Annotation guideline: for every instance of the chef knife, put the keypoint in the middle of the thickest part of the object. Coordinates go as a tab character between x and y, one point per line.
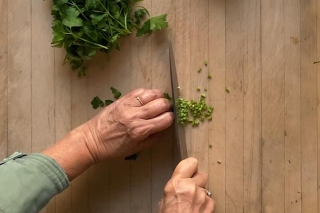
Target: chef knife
179	130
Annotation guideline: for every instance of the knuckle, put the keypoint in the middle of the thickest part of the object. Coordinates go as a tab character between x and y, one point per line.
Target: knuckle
140	91
169	188
135	133
152	94
163	103
192	161
201	197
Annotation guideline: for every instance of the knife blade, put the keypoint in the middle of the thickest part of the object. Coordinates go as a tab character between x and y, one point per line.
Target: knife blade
179	130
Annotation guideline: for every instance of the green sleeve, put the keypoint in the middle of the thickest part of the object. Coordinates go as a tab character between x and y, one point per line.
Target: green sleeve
28	182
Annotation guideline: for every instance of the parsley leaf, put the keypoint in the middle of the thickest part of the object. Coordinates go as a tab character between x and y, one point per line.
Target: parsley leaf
108	102
153	24
115	92
71	19
167	96
96	103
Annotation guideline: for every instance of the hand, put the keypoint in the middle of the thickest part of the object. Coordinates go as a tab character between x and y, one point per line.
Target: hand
126	127
185	190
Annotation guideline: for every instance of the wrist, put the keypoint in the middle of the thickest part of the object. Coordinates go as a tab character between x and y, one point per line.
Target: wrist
72	153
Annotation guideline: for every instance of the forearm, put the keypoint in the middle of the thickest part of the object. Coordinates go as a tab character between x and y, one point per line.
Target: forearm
72	153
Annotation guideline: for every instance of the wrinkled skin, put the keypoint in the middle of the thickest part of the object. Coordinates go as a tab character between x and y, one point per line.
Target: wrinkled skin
185	193
125	127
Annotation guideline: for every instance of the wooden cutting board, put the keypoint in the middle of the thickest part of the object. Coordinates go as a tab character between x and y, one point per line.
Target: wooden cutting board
264	131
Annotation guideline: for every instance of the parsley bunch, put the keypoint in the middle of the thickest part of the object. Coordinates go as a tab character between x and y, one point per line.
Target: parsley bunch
84	27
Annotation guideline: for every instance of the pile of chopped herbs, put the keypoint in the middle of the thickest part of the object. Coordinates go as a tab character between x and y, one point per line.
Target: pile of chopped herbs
192	111
84	27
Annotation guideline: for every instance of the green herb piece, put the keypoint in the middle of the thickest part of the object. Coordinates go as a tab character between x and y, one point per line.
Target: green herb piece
139	15
198	88
108	102
153	24
209	76
132	157
97	102
115	92
203	95
206	63
199	69
167	96
205	89
178	87
227	90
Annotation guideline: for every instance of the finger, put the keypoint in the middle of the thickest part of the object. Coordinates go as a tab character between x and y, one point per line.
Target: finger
186	169
209	205
159	123
145	95
155	108
200	179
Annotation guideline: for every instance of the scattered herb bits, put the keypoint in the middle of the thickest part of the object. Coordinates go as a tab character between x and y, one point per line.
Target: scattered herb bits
198	88
209	76
206	63
199	69
227	90
85	27
210	146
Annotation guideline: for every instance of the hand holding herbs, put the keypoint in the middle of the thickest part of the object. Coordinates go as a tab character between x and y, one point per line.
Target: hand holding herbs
84	27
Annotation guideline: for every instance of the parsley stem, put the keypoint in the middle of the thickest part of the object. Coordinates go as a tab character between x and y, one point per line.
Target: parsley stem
109	14
76	6
82	39
99	45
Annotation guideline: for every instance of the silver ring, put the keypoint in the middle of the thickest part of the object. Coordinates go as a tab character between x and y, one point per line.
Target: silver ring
139	101
208	193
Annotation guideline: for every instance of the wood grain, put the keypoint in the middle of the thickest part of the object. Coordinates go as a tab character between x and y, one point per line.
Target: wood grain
318	94
236	56
252	107
265	131
19	76
309	106
217	99
292	107
272	34
199	39
3	78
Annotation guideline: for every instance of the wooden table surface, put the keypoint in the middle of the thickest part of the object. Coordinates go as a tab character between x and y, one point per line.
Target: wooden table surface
264	132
